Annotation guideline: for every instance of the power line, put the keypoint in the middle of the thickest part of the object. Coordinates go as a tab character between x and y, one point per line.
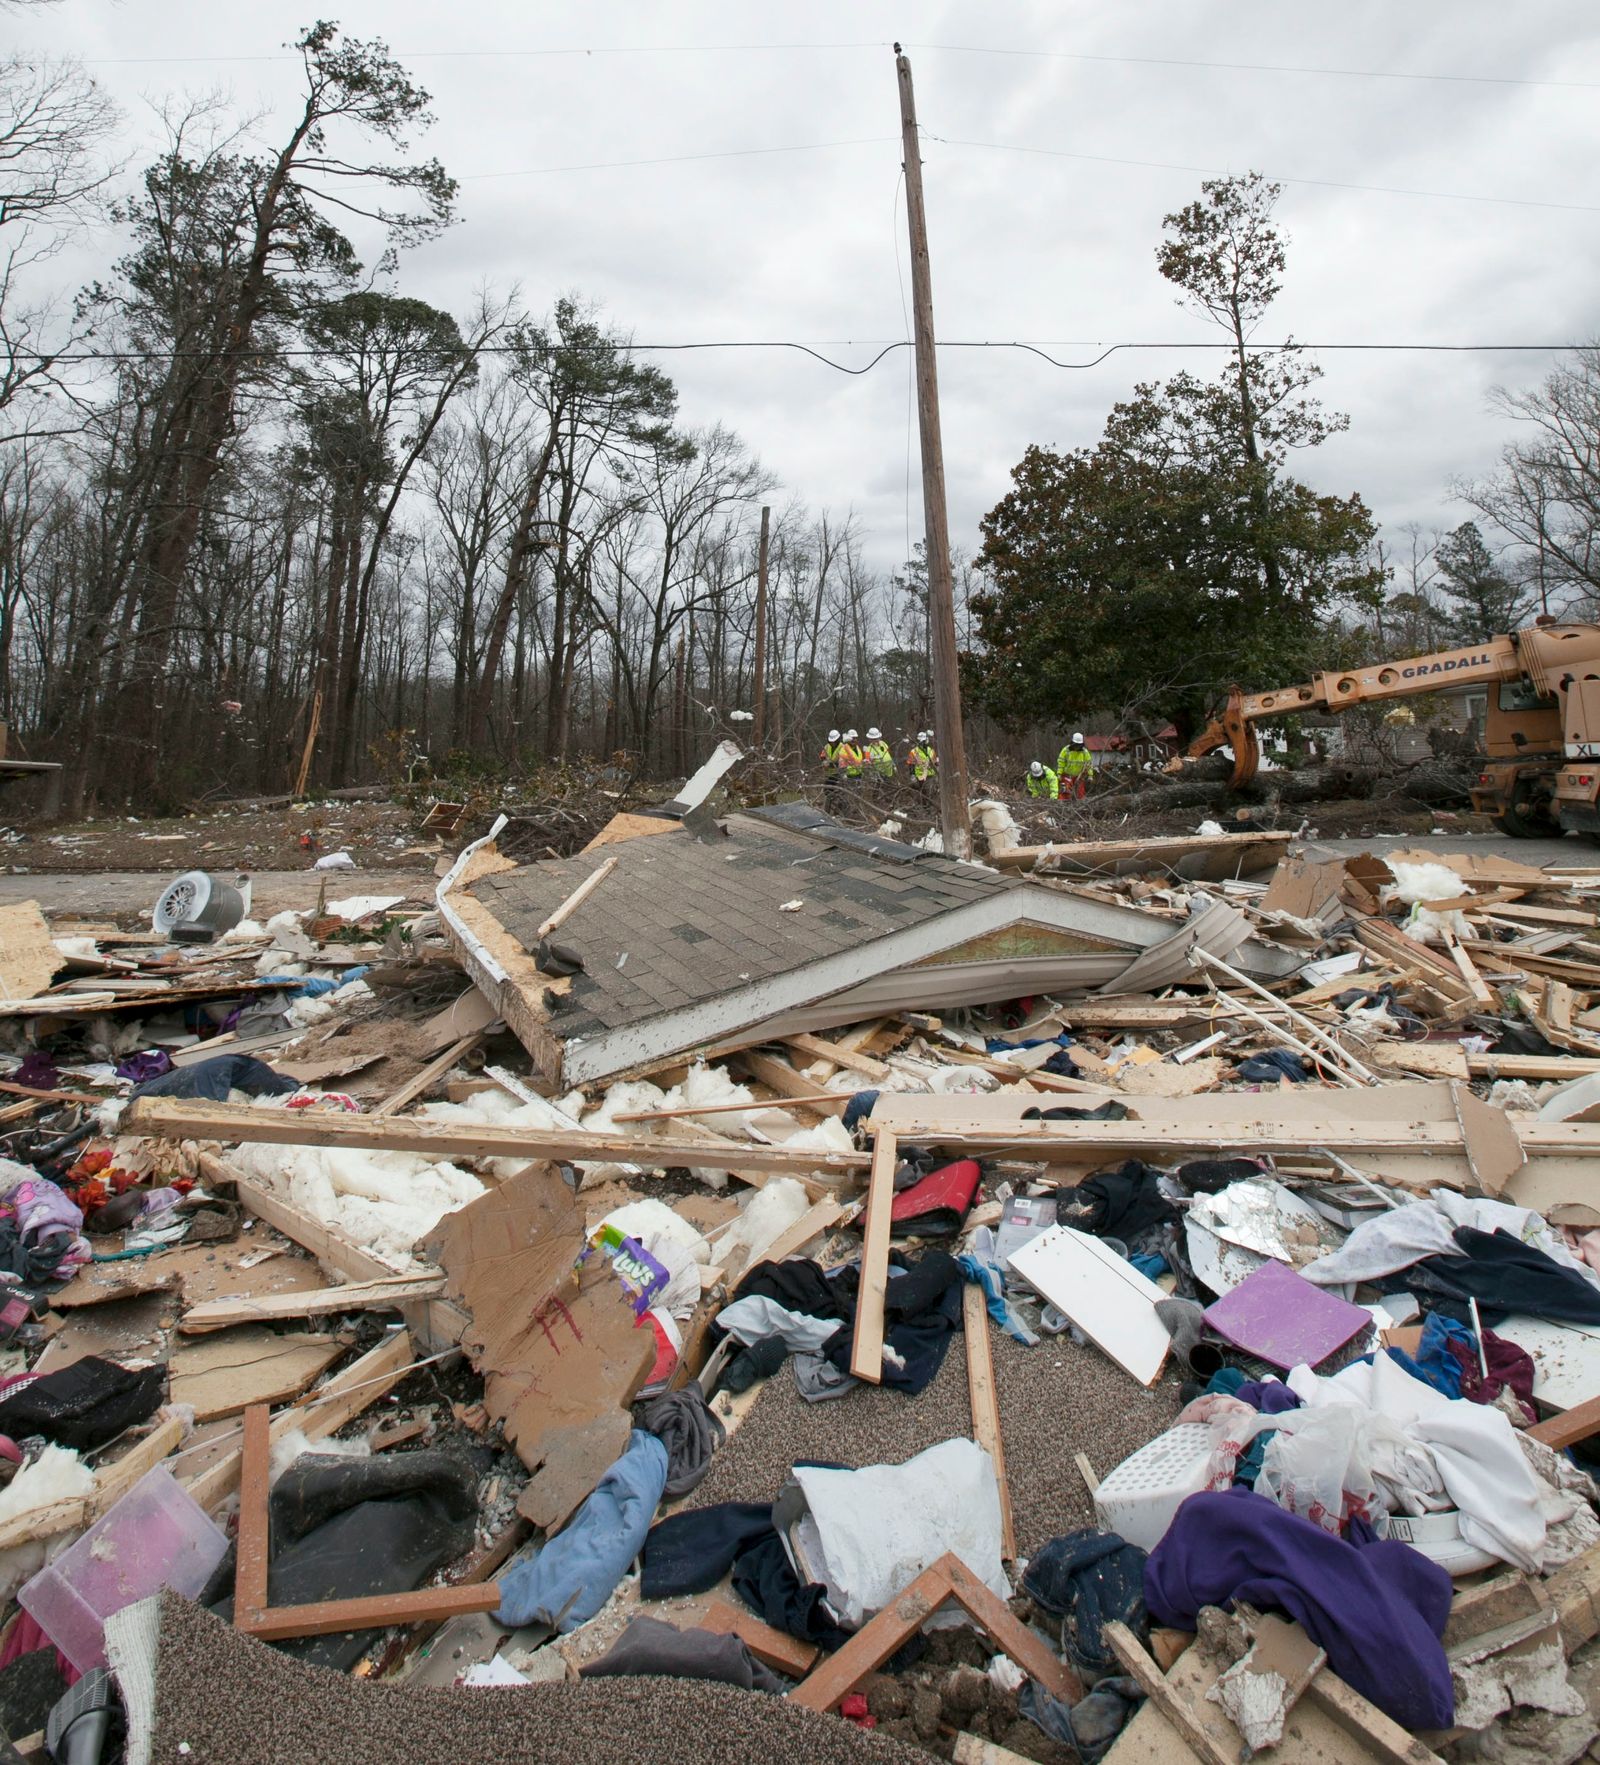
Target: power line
604	165
1261	67
503	54
76	358
1162	165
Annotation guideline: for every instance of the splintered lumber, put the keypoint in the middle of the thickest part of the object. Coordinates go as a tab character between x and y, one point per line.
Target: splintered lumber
904	1616
1211	857
775	1648
169	1118
430	1074
985	1404
319	1413
819	1048
110	1485
218	1314
1168	1699
866	1349
1531	1066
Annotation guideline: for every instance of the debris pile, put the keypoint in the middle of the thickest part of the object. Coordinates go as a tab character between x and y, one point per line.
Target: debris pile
1094	1302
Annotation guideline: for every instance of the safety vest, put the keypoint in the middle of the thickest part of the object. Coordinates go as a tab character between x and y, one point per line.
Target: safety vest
1074	761
882	760
830	753
922	763
1046	785
850	759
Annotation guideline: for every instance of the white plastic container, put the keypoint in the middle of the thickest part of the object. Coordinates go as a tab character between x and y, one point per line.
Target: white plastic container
1140	1497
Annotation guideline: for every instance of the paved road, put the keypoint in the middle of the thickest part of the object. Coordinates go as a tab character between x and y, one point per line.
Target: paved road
275	890
1571	849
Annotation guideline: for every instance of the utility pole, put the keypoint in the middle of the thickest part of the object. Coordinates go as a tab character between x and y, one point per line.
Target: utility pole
759	731
954	823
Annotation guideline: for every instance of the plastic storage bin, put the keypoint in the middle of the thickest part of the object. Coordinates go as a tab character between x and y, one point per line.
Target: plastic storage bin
1140	1497
156	1536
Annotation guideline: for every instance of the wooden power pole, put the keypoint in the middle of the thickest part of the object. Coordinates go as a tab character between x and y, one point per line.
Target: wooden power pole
954	823
759	731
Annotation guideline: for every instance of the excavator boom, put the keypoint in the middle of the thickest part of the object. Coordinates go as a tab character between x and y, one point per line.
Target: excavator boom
1546	655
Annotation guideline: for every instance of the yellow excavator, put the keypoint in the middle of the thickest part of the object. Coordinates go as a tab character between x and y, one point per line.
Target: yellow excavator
1541	768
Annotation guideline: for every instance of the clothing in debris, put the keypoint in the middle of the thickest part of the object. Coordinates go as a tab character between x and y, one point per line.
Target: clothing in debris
817	1379
211	1080
41	1231
1378	1608
1510	1369
1434	1363
82	1405
691	1551
650	1645
1092	1724
937	1205
858	1108
1506	1277
140	1068
1060	1063
1109	1111
1399	1237
1089	1579
1125	1203
1273	1064
1209	1176
755	1319
573	1576
765	1579
759	1361
691	1432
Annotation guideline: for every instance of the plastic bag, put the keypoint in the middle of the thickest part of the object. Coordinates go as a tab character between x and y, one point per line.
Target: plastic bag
1319	1468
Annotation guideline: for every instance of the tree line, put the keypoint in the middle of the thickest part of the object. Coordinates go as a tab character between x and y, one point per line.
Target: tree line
264	512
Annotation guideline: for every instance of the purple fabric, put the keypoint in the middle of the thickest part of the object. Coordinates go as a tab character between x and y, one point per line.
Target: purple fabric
41	1207
148	1063
1378	1608
39	1071
1268	1396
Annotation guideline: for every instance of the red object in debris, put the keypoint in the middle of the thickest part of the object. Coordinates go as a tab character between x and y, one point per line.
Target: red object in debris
946	1193
854	1709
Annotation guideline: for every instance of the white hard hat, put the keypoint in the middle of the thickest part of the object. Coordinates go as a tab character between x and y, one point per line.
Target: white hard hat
849	735
833	735
1037	769
923	736
1077	736
874	735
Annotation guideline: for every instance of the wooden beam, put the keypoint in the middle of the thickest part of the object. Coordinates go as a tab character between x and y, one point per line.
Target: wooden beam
423	1605
254	1541
985	1404
866	1349
430	1074
947	1579
1579	1423
170	1118
819	1048
399	1290
1171	1702
577	898
777	1075
774	1648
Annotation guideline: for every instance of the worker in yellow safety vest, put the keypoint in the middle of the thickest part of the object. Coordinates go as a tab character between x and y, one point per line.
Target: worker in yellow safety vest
830	749
1041	781
1076	767
922	760
878	755
851	758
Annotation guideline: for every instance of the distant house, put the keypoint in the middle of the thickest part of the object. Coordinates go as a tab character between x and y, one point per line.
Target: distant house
1136	750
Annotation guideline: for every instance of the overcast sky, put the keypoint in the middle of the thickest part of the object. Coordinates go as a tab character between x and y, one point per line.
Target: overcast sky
810	245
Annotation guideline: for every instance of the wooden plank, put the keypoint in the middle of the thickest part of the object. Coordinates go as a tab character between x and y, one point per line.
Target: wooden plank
777	1075
1531	1066
947	1579
774	1648
1476	984
577	898
110	1485
1567	1429
429	1075
1172	1703
423	1605
398	1290
250	1572
173	1119
229	1371
1231	851
319	1413
1436	1060
819	1048
985	1404
866	1349
820	1217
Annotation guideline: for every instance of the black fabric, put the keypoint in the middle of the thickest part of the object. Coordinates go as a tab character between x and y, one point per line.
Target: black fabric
1124	1203
1087	1579
798	1284
212	1080
1505	1276
1271	1065
689	1552
1210	1176
651	1646
84	1405
1109	1111
348	1528
764	1578
36	1263
688	1429
760	1360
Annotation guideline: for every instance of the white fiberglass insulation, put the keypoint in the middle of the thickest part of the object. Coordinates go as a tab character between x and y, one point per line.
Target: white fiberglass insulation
1416	883
770	1211
386	1201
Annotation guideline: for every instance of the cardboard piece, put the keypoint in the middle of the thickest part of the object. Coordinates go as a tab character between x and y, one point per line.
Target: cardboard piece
1103	1293
556	1343
1494	1152
1305	889
29	961
236	1368
1285	1319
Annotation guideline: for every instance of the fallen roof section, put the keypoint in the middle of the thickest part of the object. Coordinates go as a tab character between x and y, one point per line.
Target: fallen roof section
781	921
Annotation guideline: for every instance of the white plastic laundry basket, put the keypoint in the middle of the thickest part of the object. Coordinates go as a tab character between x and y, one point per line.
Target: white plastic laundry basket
1139	1498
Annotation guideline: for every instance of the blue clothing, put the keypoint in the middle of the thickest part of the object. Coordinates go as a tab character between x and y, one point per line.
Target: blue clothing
574	1575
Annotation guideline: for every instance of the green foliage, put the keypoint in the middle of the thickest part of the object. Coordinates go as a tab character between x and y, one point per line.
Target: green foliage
1481	600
